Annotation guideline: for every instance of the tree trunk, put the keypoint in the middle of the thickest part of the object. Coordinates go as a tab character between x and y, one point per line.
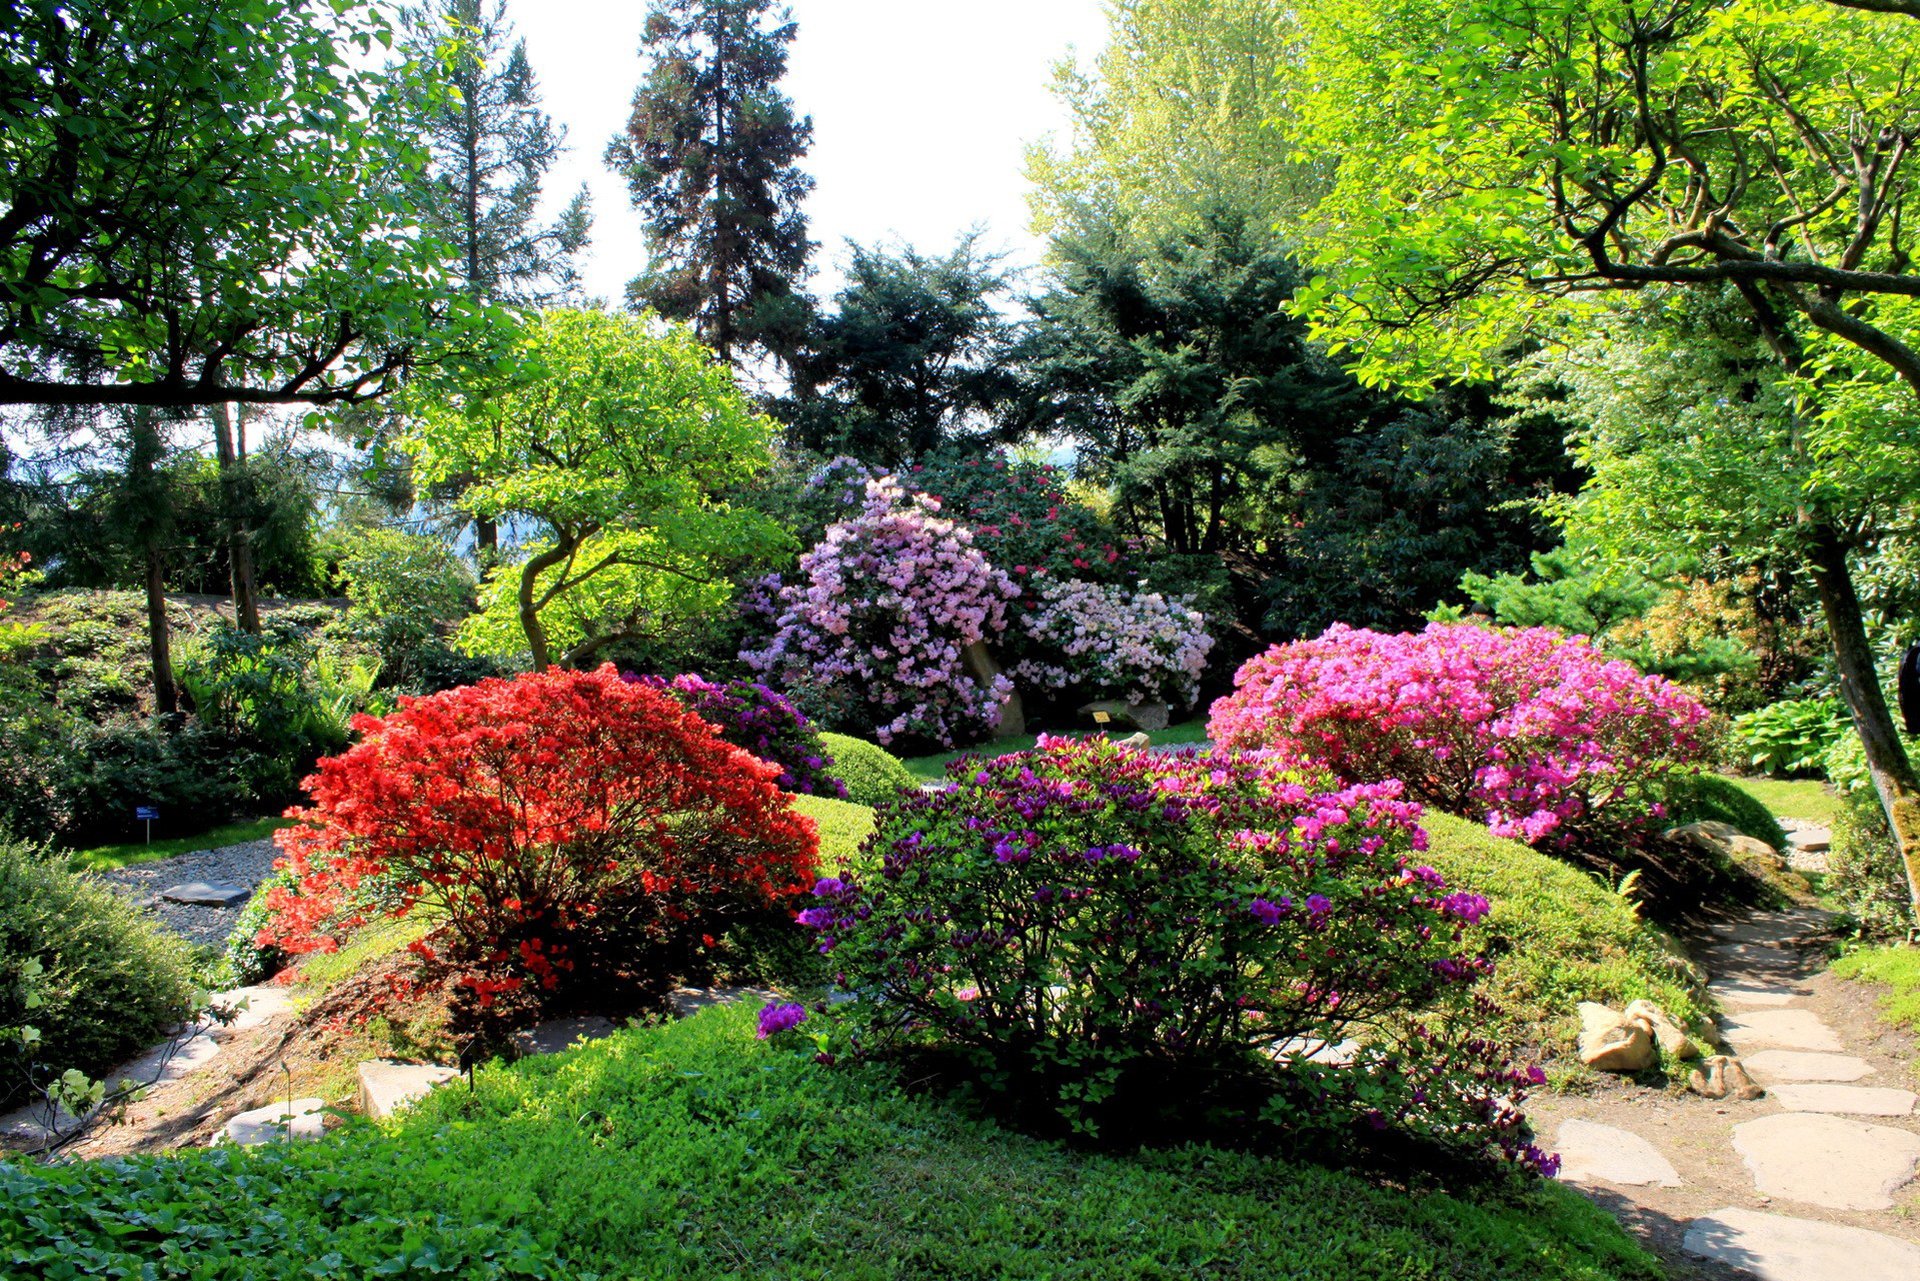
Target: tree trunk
166	694
486	541
1887	763
152	522
246	604
530	623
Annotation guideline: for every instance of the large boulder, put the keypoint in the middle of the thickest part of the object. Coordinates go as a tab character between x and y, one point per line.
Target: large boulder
1612	1042
1670	1037
1713	837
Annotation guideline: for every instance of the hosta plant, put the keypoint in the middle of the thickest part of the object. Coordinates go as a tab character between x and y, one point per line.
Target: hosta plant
1108	929
558	826
1531	731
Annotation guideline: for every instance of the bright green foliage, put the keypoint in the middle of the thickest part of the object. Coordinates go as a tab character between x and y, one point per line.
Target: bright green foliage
1896	967
1791	738
1697	798
1559	937
615	438
111	980
705	1154
209	203
844	825
406	591
873	775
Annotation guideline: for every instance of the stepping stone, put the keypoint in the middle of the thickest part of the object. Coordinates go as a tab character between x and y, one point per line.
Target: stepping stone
1792	1065
1827	1160
264	1001
1854	1100
1777	927
1590	1152
1776	1247
275	1122
1734	993
555	1035
201	894
387	1087
1759	961
1783	1029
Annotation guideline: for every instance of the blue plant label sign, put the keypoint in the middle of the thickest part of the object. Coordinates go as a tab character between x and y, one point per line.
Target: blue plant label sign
147	813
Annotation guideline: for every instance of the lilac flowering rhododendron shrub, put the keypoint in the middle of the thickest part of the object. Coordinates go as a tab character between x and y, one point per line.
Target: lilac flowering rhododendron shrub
1529	730
871	636
761	721
1103	927
1101	641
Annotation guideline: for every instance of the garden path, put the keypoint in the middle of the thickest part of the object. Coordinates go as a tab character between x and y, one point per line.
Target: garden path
241	866
1812	1182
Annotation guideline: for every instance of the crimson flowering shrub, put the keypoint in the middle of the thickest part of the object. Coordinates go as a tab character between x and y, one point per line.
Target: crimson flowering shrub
871	637
1529	730
1103	927
1102	641
1024	519
557	823
764	722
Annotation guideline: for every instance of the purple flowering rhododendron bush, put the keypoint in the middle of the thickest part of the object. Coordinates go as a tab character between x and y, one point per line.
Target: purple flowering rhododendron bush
1528	730
872	634
1103	928
1102	641
762	721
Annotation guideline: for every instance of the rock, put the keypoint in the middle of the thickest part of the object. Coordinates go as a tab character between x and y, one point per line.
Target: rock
262	1002
1152	717
1721	1076
555	1035
1141	740
1781	1029
305	1120
1853	1100
1672	1039
1827	1160
1609	1042
1725	840
201	894
1590	1152
1753	962
1784	926
386	1087
1776	1247
1792	1065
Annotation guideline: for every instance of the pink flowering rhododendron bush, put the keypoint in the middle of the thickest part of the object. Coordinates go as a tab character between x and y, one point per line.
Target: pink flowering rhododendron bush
1120	933
871	635
1529	730
562	828
1102	641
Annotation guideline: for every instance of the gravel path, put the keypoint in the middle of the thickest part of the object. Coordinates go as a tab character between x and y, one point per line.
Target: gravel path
245	865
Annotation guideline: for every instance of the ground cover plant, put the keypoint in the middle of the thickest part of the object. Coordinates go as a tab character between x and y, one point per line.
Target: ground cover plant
559	826
1898	970
691	1150
1097	928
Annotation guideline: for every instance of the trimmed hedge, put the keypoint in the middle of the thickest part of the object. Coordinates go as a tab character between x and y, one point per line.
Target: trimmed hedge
873	775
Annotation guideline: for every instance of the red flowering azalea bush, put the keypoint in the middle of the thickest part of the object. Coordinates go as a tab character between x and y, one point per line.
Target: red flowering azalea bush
1112	930
560	824
1529	730
764	722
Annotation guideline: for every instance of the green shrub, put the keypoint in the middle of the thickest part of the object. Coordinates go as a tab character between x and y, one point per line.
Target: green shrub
1790	738
691	1151
873	775
844	826
1702	798
1866	877
247	960
113	981
1559	937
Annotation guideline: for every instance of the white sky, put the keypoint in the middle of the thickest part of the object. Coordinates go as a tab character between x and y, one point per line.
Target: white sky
921	109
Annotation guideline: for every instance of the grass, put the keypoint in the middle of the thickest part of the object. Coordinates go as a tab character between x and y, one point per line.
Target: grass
933	768
1801	798
694	1151
1898	969
104	858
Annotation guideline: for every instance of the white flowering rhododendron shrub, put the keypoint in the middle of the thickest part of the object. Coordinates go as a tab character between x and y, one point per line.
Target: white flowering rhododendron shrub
871	636
1106	642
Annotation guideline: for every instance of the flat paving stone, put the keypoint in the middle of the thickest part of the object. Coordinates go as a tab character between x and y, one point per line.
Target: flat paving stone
1781	1029
688	1001
1769	1066
202	894
1777	927
1754	994
555	1035
1853	1100
1827	1160
304	1120
1591	1152
387	1087
1756	962
1778	1247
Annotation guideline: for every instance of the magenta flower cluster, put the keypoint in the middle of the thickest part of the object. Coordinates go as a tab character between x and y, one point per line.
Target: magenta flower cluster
762	721
780	1016
876	626
1103	641
1531	731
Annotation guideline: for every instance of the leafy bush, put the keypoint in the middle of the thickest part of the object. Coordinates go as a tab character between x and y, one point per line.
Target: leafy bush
1106	642
407	591
872	775
1791	738
1107	928
112	981
761	721
843	826
1530	731
1867	878
872	638
248	959
558	823
704	1155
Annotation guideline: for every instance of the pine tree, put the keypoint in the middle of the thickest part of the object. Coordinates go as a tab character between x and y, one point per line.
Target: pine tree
710	155
491	145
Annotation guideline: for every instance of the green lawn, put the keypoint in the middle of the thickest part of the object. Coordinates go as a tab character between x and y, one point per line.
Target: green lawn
694	1151
107	857
934	768
1898	968
1803	798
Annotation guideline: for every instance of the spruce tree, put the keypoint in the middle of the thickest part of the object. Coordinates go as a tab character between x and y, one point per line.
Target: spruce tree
710	154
